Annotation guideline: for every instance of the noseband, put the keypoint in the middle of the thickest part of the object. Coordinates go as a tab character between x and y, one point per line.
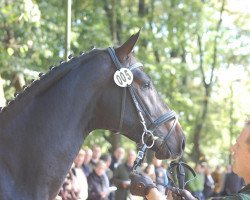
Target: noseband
141	108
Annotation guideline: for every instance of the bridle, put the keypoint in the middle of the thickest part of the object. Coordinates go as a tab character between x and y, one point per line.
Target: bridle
141	108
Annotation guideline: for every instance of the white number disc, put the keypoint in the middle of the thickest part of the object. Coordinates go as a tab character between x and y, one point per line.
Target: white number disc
123	77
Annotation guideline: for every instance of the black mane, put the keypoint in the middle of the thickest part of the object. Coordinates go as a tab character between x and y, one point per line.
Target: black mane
45	81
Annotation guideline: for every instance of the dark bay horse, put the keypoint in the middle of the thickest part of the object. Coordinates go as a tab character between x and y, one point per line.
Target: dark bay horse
42	130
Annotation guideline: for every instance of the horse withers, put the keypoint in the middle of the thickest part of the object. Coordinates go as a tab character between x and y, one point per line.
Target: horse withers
42	130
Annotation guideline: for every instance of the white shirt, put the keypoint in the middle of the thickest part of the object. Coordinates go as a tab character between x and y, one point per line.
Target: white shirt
82	183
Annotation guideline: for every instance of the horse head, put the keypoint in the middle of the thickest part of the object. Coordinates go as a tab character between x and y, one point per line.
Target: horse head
130	104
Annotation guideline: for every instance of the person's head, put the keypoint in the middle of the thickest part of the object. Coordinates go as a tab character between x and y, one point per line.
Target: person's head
131	157
79	158
150	169
199	168
207	169
229	168
119	154
96	152
241	154
107	159
100	167
88	156
157	162
218	168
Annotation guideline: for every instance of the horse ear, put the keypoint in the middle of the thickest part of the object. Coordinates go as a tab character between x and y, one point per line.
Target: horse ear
128	46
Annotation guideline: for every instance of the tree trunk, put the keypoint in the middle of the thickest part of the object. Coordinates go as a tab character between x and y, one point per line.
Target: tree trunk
197	154
112	18
116	141
141	8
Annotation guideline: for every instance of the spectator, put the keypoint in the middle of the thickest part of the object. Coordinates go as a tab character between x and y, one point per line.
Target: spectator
108	173
117	158
150	171
96	155
107	159
121	177
209	183
70	189
96	149
233	183
160	175
97	185
86	163
81	179
218	181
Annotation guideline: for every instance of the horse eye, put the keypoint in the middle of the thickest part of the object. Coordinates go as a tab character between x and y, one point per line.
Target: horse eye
147	85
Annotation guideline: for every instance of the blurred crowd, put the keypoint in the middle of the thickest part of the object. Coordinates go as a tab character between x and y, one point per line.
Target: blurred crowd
214	184
97	176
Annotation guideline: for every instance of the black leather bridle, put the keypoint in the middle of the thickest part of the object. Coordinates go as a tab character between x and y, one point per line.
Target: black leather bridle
141	108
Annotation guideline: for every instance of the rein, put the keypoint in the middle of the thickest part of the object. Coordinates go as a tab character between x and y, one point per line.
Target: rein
178	169
141	108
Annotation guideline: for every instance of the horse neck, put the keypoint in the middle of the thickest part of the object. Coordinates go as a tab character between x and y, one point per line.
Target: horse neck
49	131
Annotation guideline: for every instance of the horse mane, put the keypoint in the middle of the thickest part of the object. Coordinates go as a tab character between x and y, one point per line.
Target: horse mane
46	80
